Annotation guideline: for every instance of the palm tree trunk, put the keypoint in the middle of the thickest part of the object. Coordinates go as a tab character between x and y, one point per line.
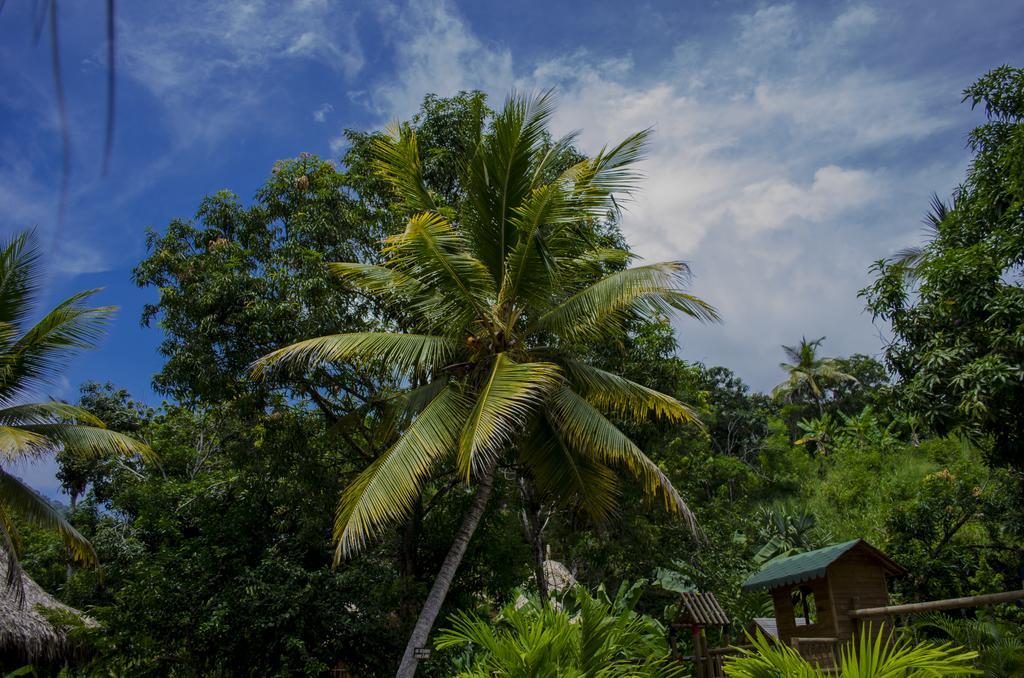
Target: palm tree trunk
533	526
438	592
408	562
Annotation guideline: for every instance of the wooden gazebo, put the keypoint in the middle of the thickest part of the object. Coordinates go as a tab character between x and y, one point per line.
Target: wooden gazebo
815	594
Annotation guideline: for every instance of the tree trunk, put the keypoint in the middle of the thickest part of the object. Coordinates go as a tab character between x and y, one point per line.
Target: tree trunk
533	525
438	592
408	562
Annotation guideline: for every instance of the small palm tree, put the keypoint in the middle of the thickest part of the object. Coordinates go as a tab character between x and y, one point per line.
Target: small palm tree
873	655
501	296
808	374
31	356
592	636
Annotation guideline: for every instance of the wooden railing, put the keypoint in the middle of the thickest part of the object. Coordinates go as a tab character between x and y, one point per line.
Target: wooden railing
933	605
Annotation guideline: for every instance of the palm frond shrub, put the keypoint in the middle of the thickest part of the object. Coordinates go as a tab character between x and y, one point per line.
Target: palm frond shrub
872	655
999	644
499	296
587	636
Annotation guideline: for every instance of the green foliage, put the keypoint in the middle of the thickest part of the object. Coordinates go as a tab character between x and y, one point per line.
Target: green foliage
956	307
873	655
588	636
1000	645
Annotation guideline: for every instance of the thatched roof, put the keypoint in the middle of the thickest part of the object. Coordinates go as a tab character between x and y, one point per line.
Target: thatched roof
24	631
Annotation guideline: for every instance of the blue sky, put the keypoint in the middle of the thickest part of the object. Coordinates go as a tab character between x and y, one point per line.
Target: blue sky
794	143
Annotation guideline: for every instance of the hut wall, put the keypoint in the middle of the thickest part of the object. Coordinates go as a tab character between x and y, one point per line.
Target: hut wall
857	581
823	627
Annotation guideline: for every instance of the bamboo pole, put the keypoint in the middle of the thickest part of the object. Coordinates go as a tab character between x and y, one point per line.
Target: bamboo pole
948	604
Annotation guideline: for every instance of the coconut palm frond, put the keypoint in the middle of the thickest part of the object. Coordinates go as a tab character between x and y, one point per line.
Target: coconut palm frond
612	172
433	251
22	500
397	160
38	354
586	432
505	399
611	393
48	413
19	277
501	174
17	443
91	441
383	493
645	291
404	352
10	546
572	479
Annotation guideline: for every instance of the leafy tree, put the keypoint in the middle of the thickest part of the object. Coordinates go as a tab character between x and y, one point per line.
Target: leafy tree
952	534
499	293
956	306
31	356
870	386
737	420
115	408
237	281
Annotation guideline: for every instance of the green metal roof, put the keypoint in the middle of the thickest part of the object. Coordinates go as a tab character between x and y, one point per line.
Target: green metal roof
798	568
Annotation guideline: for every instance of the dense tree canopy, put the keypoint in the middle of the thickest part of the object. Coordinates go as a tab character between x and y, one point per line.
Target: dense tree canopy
956	306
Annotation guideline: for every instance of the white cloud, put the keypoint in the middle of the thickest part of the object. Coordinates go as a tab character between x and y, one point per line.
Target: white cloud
764	170
772	203
320	114
854	21
209	64
436	52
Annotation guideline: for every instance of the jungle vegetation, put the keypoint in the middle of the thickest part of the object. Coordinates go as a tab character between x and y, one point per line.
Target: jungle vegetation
438	355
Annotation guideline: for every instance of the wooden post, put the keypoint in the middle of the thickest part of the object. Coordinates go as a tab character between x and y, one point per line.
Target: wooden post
698	655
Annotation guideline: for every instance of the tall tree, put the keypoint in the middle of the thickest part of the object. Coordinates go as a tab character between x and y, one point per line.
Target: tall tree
956	304
499	293
31	356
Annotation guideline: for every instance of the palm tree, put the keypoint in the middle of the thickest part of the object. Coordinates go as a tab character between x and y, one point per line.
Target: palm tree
501	295
909	259
31	356
873	655
808	374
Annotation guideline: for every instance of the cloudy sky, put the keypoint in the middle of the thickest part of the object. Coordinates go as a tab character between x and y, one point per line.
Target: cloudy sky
795	143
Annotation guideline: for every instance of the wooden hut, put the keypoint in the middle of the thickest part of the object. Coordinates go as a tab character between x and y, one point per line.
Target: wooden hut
25	634
822	589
